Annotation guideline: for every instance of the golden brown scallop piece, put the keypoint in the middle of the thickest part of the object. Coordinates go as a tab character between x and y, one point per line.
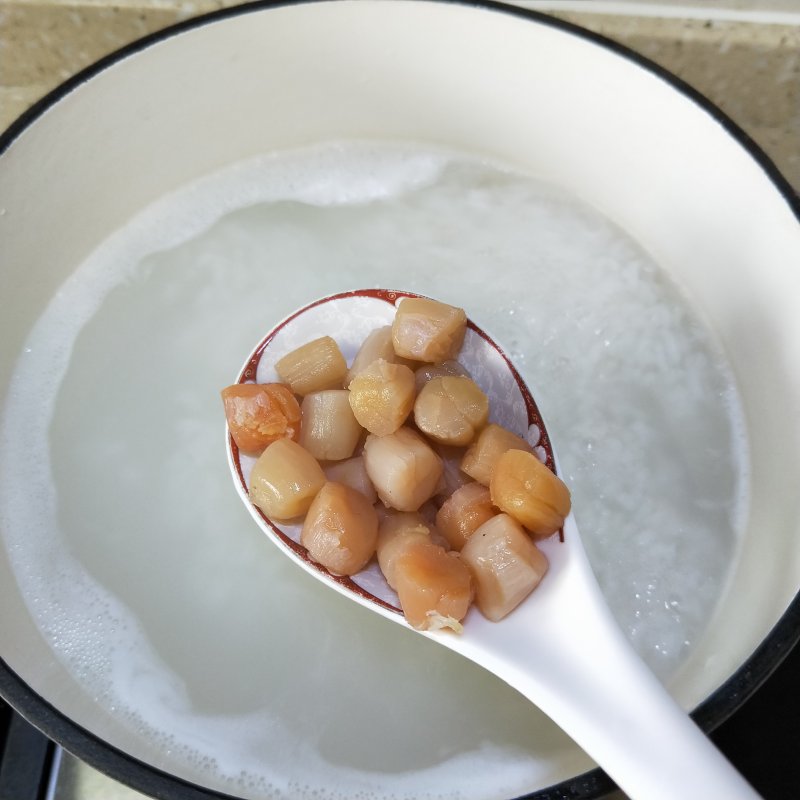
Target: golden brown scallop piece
527	490
403	469
426	330
352	473
451	410
382	396
285	480
505	564
330	431
428	372
377	345
315	366
463	513
494	440
395	533
340	530
260	413
452	476
434	586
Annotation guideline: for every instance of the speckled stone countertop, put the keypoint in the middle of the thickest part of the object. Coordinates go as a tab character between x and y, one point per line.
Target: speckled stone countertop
750	69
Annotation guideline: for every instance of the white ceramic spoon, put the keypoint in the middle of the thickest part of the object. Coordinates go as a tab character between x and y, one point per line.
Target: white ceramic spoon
560	648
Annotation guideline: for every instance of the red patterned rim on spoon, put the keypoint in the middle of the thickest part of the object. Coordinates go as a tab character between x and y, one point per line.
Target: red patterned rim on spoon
476	341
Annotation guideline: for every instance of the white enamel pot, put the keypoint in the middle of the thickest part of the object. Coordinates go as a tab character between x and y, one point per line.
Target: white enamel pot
550	99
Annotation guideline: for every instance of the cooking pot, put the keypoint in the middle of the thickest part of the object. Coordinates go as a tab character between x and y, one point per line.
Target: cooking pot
498	83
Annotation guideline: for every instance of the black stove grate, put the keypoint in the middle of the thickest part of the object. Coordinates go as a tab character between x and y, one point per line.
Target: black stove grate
26	758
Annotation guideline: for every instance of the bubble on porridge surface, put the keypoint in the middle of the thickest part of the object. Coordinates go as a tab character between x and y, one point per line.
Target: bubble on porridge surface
144	572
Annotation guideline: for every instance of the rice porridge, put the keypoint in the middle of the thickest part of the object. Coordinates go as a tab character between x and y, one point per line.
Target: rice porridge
149	580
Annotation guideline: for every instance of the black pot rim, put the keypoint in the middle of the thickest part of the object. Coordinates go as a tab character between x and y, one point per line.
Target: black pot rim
152	781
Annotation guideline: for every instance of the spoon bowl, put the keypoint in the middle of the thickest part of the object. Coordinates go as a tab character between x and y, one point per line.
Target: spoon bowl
561	648
349	317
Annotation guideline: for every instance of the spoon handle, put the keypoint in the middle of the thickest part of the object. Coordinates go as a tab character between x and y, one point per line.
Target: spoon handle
564	651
